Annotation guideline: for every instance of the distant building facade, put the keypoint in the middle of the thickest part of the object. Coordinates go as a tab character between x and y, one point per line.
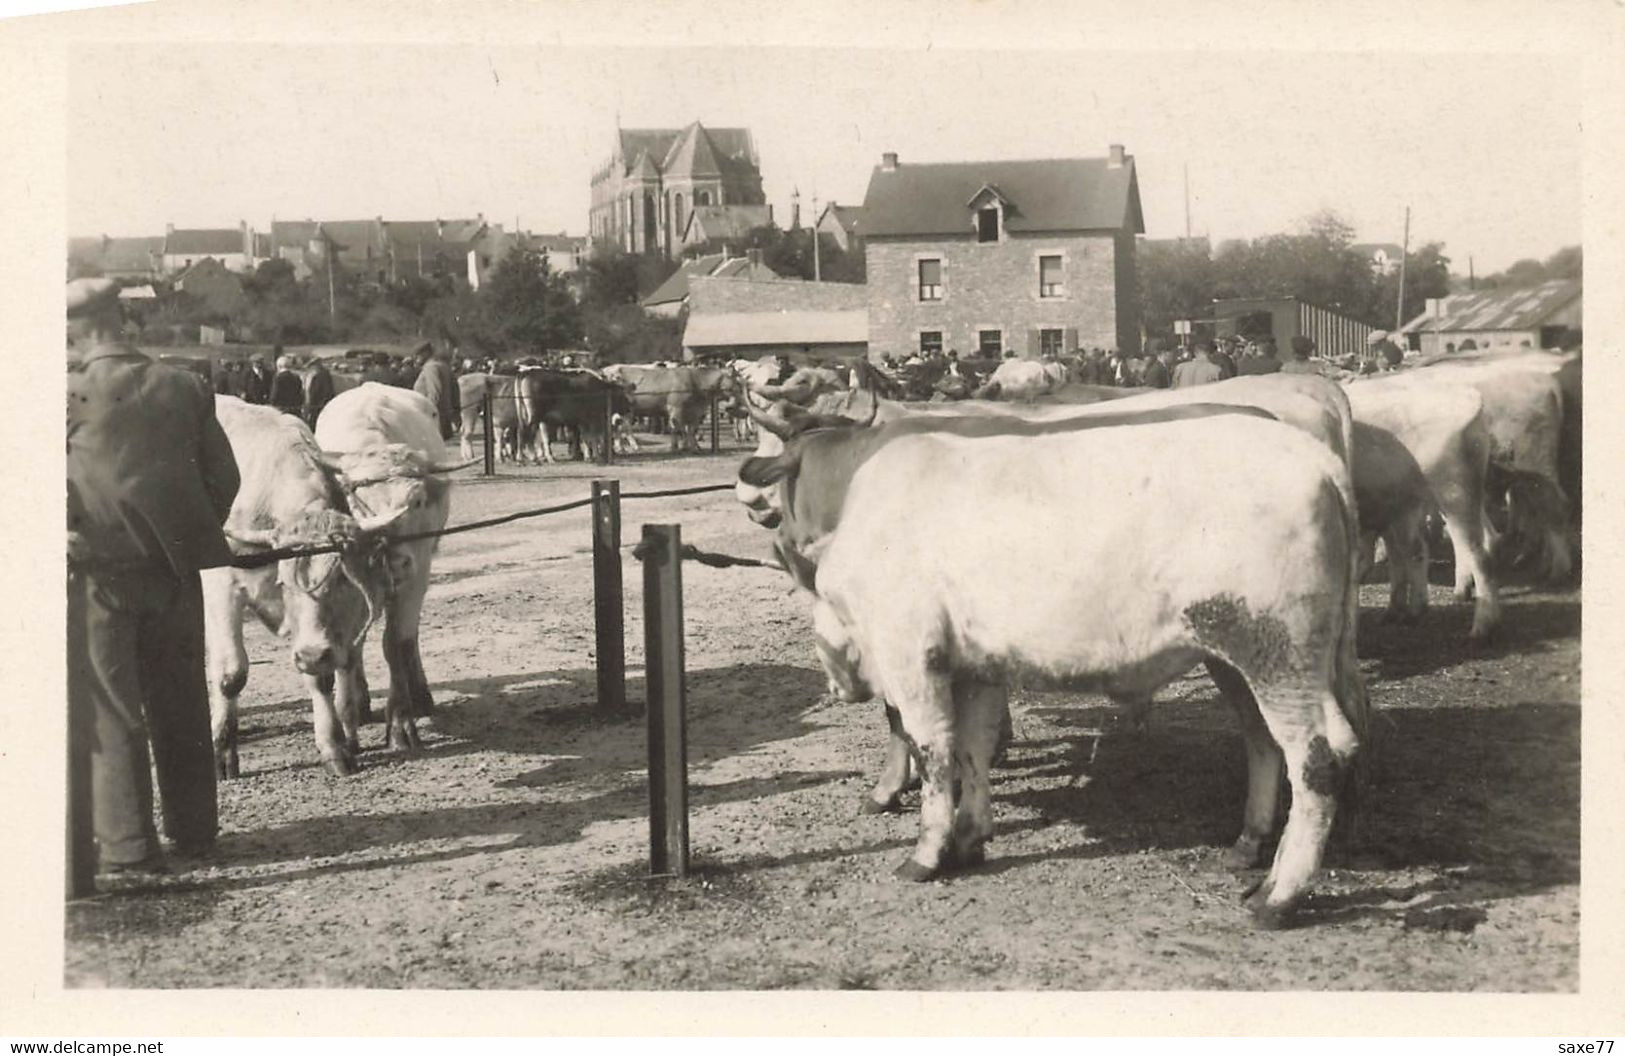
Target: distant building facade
231	246
671	297
749	317
643	195
842	223
988	257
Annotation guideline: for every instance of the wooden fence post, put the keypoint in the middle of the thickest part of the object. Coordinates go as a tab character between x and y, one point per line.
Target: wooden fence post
667	692
609	614
490	444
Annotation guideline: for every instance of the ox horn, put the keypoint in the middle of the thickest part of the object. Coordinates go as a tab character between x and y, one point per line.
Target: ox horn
379	522
773	423
451	467
250	536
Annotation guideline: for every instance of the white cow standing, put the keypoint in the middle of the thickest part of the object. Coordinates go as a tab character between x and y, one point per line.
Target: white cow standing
388	448
1132	592
322	604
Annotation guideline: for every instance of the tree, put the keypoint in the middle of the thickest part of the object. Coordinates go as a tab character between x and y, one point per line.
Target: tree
530	308
610	278
628	334
1566	263
1427	275
1176	282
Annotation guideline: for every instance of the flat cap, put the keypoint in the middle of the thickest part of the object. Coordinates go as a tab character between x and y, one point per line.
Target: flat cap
88	296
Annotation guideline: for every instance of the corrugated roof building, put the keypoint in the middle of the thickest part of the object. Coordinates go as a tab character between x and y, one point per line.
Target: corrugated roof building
1549	315
670	296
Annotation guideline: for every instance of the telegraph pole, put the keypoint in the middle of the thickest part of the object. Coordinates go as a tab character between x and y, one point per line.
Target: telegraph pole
1404	251
818	275
1187	201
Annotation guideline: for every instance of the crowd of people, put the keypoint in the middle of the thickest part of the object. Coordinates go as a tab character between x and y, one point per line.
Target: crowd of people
1163	365
302	386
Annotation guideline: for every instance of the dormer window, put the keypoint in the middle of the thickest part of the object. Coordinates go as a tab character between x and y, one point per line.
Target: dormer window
987	224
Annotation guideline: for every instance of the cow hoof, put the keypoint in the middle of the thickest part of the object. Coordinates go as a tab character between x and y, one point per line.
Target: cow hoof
969	857
340	765
1244	854
1267	917
871	805
915	873
227	768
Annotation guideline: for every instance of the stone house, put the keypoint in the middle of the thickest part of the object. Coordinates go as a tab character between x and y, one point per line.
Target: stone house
987	257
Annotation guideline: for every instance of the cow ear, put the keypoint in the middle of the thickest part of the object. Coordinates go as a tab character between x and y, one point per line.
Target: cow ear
763	472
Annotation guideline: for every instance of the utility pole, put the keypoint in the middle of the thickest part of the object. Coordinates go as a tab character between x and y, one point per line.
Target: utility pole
1404	251
818	275
332	307
1187	201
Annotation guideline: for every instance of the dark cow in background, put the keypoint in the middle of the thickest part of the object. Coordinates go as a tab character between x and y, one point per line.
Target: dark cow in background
574	403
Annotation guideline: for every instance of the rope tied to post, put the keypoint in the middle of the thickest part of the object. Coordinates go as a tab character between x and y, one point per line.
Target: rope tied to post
649	548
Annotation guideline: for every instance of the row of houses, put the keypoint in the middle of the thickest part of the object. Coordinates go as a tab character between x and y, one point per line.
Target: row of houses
383	250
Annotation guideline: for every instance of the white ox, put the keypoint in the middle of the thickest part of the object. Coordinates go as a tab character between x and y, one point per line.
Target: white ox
1442	427
385	441
1523	413
323	604
1262	585
1022	379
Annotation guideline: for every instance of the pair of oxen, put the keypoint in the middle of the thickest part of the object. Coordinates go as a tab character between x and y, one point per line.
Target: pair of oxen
370	485
1222	525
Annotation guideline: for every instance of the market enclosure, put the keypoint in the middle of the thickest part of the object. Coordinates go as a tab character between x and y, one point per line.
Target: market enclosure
513	852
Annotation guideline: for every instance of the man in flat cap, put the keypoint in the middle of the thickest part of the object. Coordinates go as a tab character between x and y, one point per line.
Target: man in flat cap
151	478
434	383
257	380
1300	363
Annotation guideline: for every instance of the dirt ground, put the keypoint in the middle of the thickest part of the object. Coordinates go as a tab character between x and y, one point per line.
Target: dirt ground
512	853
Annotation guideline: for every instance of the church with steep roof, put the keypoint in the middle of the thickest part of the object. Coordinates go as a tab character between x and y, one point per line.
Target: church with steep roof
646	194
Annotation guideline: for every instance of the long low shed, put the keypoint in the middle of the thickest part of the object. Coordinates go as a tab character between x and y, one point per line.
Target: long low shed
842	335
1335	335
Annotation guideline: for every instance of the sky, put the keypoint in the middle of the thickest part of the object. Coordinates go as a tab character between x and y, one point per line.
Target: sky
204	135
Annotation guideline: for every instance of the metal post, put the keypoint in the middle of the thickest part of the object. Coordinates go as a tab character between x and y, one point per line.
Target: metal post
713	423
490	443
609	612
606	456
668	741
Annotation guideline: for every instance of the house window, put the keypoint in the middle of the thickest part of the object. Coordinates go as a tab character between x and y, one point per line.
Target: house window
931	280
702	197
1049	342
930	342
987	225
990	343
1050	283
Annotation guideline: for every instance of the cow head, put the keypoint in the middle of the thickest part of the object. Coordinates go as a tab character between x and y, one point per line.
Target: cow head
778	423
329	601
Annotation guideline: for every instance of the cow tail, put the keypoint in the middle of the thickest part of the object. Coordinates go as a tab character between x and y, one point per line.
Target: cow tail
1354	706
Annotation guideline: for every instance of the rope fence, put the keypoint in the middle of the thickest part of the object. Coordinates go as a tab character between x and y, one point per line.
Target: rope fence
261	558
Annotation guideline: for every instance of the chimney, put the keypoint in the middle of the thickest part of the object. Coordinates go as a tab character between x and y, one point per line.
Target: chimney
888	161
1115	160
169	229
439	228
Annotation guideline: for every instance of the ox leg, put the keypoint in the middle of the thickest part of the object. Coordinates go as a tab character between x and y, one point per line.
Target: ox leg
886	796
346	702
1473	579
1263	770
1318	746
329	735
925	702
1406	543
545	442
980	710
402	735
227	664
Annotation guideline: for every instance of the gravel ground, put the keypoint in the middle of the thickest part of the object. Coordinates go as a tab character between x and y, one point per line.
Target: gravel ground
512	853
